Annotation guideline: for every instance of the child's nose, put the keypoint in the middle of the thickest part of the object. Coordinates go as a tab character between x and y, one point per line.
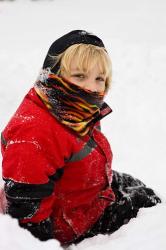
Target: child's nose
90	85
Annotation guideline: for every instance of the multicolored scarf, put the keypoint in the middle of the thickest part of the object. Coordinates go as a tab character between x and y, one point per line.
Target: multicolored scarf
72	105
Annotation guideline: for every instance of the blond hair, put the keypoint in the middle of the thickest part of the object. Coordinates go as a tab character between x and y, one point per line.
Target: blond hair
87	55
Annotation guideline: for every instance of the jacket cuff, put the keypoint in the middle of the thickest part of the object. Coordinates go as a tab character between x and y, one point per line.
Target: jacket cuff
42	230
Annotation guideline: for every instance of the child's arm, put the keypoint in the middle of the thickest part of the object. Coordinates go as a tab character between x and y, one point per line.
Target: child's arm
31	166
32	205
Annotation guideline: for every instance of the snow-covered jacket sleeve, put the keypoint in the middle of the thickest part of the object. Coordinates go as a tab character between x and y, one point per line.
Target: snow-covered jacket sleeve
33	160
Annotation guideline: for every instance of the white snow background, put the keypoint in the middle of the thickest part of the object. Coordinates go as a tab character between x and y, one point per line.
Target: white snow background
134	33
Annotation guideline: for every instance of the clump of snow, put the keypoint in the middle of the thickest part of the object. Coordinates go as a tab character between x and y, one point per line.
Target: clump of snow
16	238
146	232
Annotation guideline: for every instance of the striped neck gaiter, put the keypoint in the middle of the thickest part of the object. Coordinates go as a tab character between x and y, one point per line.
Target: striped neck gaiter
73	106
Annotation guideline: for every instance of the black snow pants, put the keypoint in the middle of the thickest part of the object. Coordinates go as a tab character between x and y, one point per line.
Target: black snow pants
131	194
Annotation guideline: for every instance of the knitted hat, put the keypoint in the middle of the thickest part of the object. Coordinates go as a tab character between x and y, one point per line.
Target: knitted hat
61	44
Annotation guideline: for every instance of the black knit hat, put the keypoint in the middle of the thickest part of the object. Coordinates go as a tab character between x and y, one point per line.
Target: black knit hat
61	44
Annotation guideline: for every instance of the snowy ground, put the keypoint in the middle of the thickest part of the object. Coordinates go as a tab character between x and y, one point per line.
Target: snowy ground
134	34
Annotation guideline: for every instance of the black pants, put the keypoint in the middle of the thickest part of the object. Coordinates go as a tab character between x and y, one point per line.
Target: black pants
131	194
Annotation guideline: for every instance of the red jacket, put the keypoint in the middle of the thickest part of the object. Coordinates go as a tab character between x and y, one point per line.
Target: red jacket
52	173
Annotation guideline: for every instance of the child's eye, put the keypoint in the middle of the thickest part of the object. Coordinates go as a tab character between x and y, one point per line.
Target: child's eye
100	79
80	76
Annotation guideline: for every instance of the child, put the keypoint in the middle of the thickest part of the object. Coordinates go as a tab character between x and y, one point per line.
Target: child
56	161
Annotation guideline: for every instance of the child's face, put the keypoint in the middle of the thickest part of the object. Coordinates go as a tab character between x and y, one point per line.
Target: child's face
93	80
